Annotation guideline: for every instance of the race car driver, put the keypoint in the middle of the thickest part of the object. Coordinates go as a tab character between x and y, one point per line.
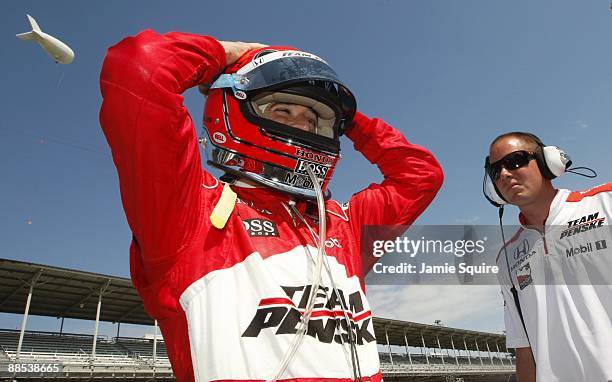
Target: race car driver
555	271
259	277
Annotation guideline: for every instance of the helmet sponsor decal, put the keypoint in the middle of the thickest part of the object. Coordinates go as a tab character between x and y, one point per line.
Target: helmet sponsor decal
297	180
276	56
314	156
319	170
240	94
300	178
219	137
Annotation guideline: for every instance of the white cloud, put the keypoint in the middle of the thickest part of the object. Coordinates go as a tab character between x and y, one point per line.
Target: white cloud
468	220
582	125
462	306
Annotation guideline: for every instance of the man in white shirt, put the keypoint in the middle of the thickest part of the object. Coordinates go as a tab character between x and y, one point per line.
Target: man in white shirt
556	271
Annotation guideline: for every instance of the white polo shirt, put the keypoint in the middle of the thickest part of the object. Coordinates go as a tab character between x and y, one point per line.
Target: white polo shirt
564	281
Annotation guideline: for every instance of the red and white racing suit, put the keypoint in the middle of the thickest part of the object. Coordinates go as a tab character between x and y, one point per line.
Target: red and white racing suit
228	300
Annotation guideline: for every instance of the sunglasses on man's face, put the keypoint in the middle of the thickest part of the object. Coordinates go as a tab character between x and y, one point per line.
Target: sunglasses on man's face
512	161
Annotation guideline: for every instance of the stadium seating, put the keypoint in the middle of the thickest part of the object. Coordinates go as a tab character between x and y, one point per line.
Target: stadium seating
124	357
143	350
73	353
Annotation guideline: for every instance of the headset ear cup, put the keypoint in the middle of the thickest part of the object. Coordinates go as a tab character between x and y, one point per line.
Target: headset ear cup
542	164
556	160
490	191
540	159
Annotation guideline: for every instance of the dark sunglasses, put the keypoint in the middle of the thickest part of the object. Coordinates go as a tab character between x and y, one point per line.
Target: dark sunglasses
512	161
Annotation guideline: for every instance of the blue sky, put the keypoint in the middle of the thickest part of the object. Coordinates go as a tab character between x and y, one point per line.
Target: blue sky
451	75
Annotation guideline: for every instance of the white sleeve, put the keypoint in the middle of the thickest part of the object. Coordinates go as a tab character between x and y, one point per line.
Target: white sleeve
515	332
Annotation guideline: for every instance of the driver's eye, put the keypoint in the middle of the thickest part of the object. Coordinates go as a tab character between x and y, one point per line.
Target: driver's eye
283	110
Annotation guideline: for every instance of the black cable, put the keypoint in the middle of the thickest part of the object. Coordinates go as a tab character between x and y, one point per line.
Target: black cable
513	288
573	171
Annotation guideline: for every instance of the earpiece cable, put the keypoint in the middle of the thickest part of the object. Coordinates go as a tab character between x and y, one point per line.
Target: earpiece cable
573	171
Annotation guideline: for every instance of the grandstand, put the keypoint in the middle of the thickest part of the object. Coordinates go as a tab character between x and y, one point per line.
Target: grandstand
408	351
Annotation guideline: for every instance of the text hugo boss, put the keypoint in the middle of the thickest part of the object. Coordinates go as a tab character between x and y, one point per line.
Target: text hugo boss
318	169
260	227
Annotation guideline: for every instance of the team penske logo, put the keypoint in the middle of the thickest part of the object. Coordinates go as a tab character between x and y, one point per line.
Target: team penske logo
583	224
327	322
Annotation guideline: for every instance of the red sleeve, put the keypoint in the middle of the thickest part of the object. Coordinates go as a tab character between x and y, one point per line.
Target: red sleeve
412	177
152	137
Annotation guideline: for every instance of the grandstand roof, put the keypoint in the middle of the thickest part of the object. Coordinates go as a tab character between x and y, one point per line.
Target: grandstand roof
61	292
395	329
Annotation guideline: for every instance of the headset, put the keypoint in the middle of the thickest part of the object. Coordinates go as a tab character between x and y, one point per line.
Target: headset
552	162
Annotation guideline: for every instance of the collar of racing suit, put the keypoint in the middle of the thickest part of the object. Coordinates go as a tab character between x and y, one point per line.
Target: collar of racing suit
553	209
275	202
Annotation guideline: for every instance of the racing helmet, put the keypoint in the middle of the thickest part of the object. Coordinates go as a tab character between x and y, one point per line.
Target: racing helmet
244	142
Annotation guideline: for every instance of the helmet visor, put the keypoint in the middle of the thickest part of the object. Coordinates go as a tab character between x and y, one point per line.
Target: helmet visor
284	67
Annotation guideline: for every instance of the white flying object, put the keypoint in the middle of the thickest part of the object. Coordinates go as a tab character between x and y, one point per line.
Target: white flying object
58	51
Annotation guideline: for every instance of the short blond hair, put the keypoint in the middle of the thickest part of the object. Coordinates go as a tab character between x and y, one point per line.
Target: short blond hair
530	139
